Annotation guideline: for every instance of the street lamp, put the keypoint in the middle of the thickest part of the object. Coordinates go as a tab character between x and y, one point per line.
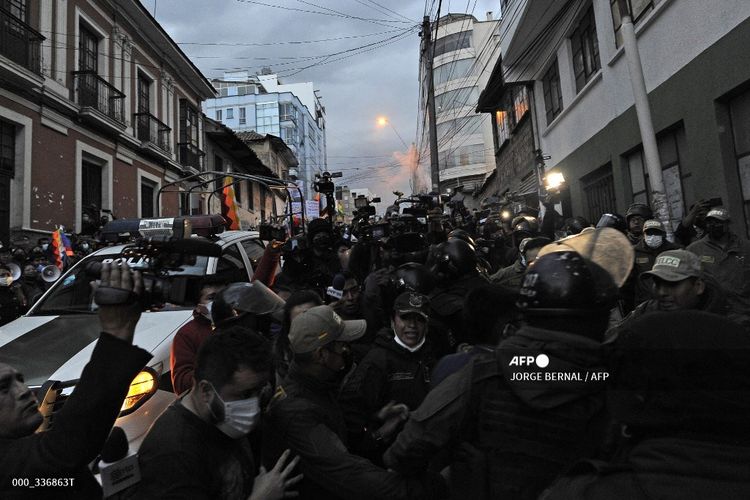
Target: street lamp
383	121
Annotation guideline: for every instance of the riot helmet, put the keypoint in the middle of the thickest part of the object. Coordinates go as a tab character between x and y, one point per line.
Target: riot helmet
452	259
523	226
564	283
462	234
639	209
575	225
615	221
413	277
241	299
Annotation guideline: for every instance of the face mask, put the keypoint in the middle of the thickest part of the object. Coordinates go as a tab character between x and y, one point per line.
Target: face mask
523	261
654	240
205	311
240	417
45	246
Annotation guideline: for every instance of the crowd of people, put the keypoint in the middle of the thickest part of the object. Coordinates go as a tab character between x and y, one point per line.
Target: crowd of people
491	357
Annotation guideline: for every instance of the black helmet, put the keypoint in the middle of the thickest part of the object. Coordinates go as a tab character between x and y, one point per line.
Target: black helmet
461	234
564	283
413	277
575	225
525	224
453	259
639	209
407	247
615	221
253	298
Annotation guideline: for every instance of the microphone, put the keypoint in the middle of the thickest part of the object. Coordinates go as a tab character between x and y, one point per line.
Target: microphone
118	469
337	290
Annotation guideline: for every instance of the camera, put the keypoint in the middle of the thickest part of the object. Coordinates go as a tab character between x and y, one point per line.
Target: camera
324	183
164	253
270	232
715	202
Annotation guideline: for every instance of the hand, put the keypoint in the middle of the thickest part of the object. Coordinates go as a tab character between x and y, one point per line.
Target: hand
700	208
392	415
274	484
120	320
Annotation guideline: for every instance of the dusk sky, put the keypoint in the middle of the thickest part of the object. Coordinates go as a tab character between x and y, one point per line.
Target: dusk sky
362	55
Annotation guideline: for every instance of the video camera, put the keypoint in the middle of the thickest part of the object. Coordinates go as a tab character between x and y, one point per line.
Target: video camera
163	249
270	231
324	183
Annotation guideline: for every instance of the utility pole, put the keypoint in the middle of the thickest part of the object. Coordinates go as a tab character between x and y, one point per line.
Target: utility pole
427	53
659	200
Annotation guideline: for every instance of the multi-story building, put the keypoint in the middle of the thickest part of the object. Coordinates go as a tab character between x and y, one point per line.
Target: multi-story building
570	58
98	106
261	103
464	52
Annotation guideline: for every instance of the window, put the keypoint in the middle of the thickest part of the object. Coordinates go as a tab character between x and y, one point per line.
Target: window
553	104
238	191
144	93
458	98
230	113
287	112
502	126
453	42
290	136
670	171
464	126
254	251
91	185
231	266
599	188
218	114
739	112
17	8
243	116
218	163
585	50
267	118
638	10
7	148
88	53
452	71
462	156
188	123
148	198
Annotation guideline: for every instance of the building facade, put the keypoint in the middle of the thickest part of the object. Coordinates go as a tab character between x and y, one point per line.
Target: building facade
98	106
695	65
293	112
463	49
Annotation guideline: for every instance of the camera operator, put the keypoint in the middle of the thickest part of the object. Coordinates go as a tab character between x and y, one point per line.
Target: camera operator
311	262
83	424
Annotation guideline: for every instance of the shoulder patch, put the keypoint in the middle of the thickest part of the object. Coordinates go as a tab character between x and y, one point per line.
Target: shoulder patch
709	259
279	395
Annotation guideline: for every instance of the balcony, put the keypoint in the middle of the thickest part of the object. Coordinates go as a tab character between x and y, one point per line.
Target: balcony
149	129
93	92
190	155
20	43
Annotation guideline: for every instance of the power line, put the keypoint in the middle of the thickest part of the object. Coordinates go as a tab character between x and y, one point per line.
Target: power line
288	42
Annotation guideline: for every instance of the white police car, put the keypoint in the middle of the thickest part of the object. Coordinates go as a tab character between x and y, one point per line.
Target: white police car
52	343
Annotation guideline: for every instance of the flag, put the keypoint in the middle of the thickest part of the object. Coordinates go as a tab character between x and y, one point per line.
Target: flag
66	243
229	205
58	249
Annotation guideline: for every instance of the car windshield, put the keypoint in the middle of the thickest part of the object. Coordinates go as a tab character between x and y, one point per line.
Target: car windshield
73	293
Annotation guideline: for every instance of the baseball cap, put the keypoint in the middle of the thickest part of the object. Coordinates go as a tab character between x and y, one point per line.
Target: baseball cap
412	302
718	213
319	326
675	265
653	224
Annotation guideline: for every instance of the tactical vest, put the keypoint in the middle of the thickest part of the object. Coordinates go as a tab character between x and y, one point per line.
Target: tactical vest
525	448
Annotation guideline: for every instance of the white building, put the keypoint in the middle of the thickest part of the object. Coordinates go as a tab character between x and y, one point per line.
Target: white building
291	111
464	52
697	72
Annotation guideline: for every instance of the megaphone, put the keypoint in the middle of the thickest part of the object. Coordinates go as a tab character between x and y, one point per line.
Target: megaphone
15	270
50	273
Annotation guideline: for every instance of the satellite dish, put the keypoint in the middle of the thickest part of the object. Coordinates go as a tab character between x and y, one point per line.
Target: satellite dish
50	273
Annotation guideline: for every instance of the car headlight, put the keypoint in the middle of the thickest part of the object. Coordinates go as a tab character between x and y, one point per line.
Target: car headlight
143	386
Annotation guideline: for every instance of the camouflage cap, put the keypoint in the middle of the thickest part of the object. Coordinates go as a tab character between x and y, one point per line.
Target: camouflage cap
319	326
675	265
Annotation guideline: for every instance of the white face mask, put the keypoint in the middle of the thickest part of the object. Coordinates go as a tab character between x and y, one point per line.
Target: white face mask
654	240
209	306
240	417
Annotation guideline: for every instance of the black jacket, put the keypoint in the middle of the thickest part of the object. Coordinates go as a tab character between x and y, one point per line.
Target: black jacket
80	428
305	417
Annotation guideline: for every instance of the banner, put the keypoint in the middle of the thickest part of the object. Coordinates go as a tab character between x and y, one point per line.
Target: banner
229	205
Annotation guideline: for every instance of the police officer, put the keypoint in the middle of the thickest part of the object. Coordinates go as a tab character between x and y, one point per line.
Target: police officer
653	243
636	215
252	305
522	430
512	276
726	257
